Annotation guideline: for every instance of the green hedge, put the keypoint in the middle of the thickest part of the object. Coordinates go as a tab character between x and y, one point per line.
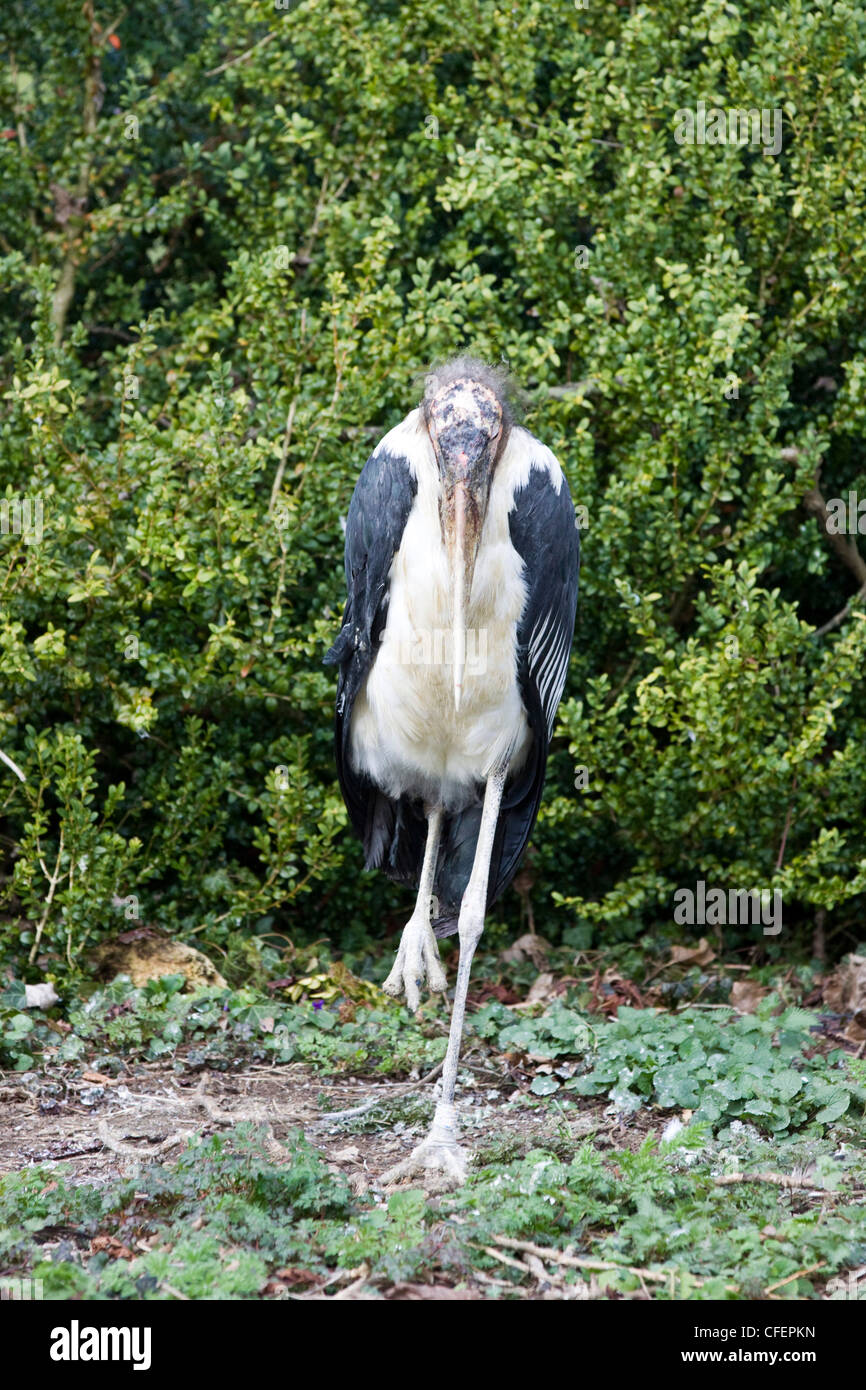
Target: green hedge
232	236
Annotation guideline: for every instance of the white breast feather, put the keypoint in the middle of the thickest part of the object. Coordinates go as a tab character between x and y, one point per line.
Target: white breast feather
405	733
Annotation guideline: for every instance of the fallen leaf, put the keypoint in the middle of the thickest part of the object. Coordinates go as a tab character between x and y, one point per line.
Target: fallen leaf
113	1247
527	947
610	990
350	1154
701	954
296	1274
746	995
844	991
485	991
855	1030
541	988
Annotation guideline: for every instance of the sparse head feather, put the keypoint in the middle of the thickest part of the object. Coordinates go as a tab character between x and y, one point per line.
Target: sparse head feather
470	369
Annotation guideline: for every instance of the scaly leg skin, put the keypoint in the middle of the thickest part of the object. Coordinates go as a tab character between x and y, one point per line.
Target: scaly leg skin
440	1151
418	955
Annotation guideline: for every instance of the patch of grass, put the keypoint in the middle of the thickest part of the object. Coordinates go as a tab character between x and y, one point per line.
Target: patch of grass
214	1223
664	1211
227	1222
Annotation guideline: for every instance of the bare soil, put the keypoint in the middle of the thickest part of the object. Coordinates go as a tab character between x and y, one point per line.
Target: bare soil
102	1128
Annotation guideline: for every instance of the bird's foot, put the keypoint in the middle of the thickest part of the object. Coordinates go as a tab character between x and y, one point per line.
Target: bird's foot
438	1158
417	963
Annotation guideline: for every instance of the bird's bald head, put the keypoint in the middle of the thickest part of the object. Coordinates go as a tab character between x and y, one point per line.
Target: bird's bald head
467	417
464	421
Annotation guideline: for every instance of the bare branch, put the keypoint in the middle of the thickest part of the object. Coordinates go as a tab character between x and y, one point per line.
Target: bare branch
54	878
230	63
844	546
65	288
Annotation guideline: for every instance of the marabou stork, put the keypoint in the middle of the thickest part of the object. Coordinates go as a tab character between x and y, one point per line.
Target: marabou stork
462	554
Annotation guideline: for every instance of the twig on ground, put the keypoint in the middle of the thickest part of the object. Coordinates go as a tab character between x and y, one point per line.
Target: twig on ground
334	1279
587	1262
579	1261
401	1088
175	1293
359	1283
117	1146
504	1259
774	1179
780	1283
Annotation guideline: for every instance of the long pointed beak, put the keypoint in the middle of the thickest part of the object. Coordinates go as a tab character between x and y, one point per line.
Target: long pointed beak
463	566
462	534
465	446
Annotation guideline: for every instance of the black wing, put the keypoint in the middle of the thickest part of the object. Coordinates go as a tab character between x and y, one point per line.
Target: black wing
392	833
544	533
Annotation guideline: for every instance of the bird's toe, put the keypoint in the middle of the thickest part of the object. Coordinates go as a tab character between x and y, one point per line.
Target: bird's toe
444	1165
438	1159
417	964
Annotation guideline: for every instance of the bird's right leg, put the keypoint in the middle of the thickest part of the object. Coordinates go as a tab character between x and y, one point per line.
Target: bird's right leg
418	955
440	1149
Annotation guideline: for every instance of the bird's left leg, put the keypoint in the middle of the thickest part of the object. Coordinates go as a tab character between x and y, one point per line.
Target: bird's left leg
418	955
440	1149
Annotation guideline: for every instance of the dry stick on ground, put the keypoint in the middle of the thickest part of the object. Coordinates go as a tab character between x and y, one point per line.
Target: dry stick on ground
399	1090
488	1279
504	1259
535	1267
540	1273
587	1262
845	548
215	1114
219	1116
576	1261
175	1293
352	1289
118	1146
334	1279
774	1179
771	1288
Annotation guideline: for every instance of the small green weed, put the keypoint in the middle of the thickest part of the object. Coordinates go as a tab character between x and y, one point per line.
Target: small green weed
214	1026
718	1064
